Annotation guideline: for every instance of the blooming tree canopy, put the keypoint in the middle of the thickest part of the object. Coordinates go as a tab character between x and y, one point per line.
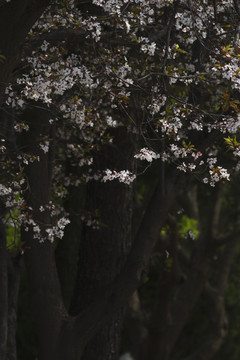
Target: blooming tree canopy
165	70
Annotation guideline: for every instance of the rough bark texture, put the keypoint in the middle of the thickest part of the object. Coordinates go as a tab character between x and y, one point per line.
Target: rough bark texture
3	293
14	277
120	290
39	257
103	252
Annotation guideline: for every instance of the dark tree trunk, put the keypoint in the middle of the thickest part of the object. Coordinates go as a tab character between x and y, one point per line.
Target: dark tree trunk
14	277
103	251
40	257
3	293
16	19
218	324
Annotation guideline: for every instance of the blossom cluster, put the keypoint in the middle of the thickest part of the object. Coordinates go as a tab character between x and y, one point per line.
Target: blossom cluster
217	174
46	82
167	71
146	154
124	176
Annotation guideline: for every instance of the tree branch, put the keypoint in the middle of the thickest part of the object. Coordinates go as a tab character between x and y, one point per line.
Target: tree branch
16	19
219	321
130	277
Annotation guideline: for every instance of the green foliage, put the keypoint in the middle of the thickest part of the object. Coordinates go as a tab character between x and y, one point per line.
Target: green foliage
186	224
178	49
231	142
13	237
13	231
165	230
189	146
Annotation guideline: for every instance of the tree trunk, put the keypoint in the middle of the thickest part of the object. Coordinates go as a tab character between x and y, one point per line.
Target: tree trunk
39	257
14	277
103	251
3	293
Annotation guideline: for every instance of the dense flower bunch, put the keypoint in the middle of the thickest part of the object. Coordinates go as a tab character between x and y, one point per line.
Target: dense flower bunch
168	70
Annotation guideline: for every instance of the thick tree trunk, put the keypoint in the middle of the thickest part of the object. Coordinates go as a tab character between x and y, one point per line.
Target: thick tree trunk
67	249
3	293
218	324
102	255
117	294
14	277
39	257
170	316
16	19
185	301
8	283
161	314
103	252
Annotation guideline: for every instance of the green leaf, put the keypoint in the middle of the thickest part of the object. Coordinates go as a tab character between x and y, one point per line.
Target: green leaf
187	224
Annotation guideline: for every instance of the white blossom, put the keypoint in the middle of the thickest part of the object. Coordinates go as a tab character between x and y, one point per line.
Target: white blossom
146	154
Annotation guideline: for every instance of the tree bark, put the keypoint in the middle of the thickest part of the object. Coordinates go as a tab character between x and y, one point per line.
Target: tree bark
3	292
218	325
103	251
116	295
39	257
170	316
14	277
